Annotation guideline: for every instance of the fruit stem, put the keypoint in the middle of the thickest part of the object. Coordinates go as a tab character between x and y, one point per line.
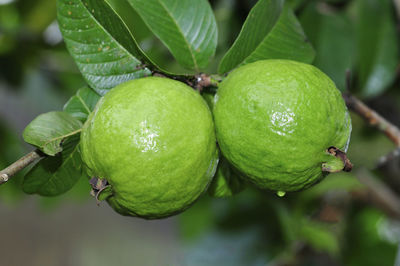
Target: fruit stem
205	81
198	82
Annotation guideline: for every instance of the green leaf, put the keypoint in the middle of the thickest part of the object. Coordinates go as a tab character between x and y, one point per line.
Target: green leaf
82	103
332	35
133	21
100	43
318	235
186	27
271	31
226	182
48	130
377	45
53	176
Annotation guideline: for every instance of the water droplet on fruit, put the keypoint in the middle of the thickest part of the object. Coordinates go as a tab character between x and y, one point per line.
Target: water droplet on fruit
281	193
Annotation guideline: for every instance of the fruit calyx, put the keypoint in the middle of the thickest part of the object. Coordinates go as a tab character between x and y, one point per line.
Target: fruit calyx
342	163
101	189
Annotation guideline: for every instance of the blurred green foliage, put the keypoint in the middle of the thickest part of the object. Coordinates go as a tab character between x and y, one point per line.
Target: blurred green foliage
324	224
366	242
10	150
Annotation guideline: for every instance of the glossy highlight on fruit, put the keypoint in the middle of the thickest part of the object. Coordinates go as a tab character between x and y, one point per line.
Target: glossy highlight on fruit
153	140
275	121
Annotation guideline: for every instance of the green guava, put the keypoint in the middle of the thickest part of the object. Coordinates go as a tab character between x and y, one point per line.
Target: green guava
227	181
282	123
151	143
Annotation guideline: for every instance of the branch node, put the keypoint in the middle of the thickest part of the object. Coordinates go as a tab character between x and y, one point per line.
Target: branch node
4	177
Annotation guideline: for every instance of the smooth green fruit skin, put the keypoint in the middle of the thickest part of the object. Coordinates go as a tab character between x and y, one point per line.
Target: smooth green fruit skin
153	140
275	120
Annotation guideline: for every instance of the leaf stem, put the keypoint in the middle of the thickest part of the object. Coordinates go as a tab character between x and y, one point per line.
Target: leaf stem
17	166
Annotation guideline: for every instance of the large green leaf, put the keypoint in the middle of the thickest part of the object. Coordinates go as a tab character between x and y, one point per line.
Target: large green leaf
82	103
47	131
332	35
319	236
377	45
133	21
271	30
100	43
186	27
53	176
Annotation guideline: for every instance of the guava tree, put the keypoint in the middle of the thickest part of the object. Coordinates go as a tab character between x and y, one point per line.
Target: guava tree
114	41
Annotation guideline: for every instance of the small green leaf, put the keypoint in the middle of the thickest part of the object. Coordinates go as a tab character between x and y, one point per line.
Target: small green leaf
226	182
82	103
53	176
48	130
377	45
100	43
271	31
186	27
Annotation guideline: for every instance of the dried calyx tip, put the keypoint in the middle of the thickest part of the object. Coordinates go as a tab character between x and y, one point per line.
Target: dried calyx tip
98	185
342	155
347	165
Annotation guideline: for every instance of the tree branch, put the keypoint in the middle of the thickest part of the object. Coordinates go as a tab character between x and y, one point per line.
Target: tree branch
373	118
17	166
397	5
388	157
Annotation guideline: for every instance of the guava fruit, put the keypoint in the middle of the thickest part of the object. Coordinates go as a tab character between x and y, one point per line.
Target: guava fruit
151	145
227	181
282	123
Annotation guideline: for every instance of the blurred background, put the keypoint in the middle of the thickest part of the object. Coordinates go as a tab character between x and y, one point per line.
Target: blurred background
348	219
